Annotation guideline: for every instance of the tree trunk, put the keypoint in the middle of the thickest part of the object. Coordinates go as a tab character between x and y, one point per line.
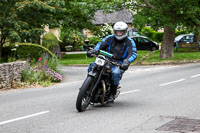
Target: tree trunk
1	46
167	43
197	34
2	41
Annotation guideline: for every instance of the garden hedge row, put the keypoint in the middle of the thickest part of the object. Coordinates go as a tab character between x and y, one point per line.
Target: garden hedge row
51	42
33	51
156	36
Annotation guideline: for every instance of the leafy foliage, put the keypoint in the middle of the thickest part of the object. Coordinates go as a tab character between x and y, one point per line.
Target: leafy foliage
167	14
32	51
94	40
41	72
24	20
72	37
51	42
105	30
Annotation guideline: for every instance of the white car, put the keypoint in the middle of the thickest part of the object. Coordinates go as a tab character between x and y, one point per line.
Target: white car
184	38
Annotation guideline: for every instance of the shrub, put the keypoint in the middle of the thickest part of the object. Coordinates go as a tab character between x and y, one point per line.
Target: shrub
94	40
147	32
180	32
72	37
105	30
33	51
50	42
157	36
40	72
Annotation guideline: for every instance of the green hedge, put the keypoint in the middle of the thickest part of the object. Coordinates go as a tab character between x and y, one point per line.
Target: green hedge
49	40
156	36
33	51
94	40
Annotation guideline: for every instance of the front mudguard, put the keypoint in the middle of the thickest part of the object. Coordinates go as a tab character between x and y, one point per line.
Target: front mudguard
93	74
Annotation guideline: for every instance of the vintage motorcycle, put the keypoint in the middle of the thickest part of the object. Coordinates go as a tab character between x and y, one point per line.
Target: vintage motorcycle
96	87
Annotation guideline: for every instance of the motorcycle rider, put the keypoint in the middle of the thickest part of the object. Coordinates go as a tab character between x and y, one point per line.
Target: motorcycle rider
123	49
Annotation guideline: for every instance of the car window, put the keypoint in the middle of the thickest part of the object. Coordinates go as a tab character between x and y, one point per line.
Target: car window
187	39
134	39
142	40
145	40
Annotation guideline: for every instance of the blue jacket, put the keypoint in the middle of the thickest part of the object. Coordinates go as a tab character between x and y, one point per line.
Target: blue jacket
124	49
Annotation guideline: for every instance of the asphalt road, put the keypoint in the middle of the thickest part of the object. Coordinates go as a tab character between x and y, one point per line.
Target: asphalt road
151	96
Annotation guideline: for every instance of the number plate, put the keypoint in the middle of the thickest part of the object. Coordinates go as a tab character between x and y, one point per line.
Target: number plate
99	61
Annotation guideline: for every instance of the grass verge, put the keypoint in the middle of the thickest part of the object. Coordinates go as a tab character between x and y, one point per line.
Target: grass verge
178	58
81	59
143	58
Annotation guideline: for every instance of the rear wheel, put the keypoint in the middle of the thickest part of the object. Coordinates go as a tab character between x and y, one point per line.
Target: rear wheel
84	97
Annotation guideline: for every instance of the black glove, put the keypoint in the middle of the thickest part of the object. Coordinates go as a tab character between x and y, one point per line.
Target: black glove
125	65
91	52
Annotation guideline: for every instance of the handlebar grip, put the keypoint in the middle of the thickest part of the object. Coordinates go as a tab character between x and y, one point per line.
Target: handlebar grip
106	54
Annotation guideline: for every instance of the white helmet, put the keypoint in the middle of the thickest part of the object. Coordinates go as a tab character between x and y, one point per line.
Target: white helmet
120	30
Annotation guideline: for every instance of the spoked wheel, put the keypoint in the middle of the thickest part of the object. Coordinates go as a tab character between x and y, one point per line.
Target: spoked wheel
84	97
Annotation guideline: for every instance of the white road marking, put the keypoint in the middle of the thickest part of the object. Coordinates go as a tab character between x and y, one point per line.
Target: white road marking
24	117
128	92
195	76
139	70
172	82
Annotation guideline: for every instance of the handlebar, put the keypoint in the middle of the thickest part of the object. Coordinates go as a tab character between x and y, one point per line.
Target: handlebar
107	55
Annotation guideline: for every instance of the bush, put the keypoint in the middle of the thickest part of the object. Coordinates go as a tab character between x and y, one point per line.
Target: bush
50	42
94	40
104	31
157	36
42	72
147	32
32	51
180	32
72	37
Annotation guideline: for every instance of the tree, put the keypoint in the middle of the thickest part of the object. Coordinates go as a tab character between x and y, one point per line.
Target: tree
79	15
24	20
193	20
167	14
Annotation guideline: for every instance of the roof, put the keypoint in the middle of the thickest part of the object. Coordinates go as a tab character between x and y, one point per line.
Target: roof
122	15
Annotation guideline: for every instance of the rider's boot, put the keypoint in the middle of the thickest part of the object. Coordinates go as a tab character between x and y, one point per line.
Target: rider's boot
113	91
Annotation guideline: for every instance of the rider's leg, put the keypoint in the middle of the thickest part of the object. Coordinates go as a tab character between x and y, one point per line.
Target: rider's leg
90	67
115	79
116	75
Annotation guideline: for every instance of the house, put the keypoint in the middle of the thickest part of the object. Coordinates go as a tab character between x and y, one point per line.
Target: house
101	18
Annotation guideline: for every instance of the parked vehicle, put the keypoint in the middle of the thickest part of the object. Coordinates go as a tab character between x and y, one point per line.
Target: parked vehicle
144	43
184	38
96	87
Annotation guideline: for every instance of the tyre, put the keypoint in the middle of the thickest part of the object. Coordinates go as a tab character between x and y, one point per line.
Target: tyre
153	48
84	98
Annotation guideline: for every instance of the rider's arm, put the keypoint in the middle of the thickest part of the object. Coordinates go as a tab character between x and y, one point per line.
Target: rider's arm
104	43
132	51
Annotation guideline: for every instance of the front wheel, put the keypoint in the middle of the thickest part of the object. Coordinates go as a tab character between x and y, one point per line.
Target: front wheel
153	48
84	98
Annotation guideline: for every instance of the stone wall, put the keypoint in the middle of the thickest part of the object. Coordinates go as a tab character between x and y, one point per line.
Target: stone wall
11	74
